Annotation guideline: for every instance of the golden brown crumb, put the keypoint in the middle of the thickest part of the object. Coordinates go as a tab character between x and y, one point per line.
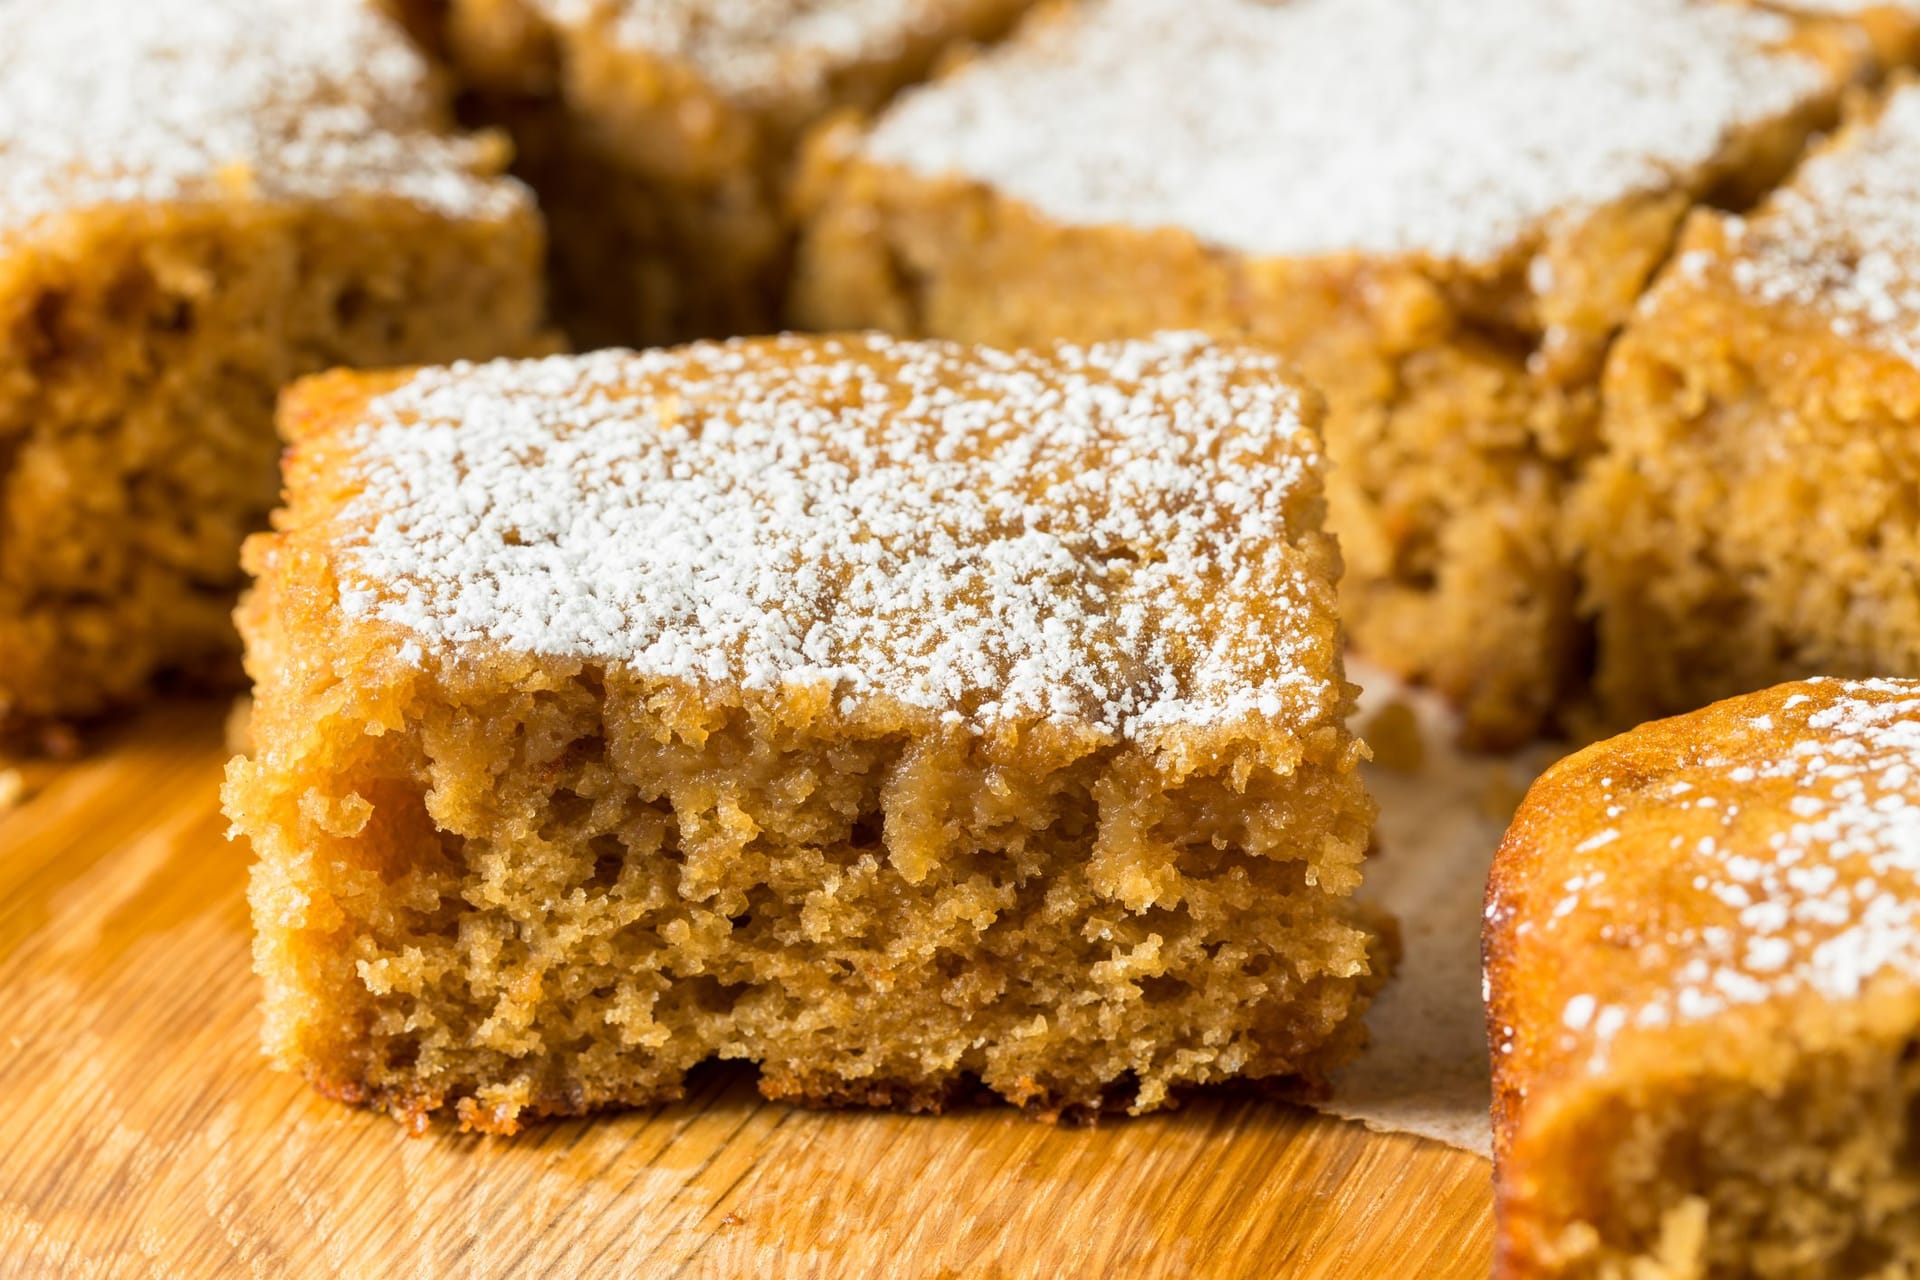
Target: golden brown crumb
1749	519
1394	734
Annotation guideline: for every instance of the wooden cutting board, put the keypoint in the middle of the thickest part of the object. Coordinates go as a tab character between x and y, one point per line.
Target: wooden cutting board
145	1135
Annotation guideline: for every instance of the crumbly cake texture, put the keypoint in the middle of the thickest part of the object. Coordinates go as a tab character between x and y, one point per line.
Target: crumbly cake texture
660	135
1442	210
892	715
1703	968
1746	521
200	200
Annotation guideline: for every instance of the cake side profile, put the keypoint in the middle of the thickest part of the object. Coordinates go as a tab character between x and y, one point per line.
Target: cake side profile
1703	973
199	202
1442	211
1750	517
891	715
660	133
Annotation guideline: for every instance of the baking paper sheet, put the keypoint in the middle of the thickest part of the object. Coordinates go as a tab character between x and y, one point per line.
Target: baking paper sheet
1441	818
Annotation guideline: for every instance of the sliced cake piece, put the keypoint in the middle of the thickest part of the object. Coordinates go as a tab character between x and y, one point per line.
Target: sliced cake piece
888	714
199	201
1441	209
1752	516
660	134
1703	975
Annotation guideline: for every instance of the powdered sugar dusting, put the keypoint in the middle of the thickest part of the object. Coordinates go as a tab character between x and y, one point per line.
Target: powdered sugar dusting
1444	127
106	102
1097	535
754	49
1844	238
1820	903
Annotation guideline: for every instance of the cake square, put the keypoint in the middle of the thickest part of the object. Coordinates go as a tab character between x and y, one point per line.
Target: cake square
199	201
660	134
1441	210
1703	975
888	714
1749	518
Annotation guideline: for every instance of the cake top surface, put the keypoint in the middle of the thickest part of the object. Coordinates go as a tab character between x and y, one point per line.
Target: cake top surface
1102	536
104	102
1843	238
1765	849
1445	128
755	49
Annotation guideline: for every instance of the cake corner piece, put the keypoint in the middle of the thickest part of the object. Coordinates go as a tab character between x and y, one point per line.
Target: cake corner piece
892	715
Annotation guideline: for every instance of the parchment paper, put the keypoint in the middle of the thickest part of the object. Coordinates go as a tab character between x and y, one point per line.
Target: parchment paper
1425	1071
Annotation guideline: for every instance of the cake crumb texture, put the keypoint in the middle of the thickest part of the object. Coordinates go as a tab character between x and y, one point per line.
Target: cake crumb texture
620	712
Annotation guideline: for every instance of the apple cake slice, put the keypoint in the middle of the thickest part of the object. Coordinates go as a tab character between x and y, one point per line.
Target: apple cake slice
889	714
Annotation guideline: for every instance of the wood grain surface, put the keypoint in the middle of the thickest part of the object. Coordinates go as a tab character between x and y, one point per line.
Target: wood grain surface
145	1135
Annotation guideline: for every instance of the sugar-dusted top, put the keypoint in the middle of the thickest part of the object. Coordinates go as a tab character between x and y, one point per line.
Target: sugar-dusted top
1449	128
1844	237
756	49
1099	535
1765	849
107	102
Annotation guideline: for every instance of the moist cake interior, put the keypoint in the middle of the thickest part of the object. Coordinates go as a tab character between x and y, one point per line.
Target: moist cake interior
565	896
1815	1174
